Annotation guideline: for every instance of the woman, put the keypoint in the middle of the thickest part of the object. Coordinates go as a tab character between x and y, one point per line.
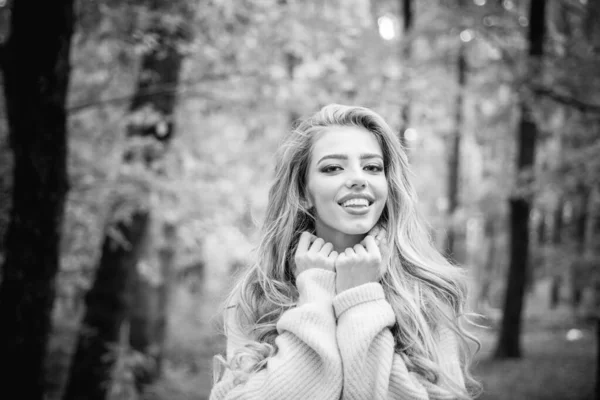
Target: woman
348	298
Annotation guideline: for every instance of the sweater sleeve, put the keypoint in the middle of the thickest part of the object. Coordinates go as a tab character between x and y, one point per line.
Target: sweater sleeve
307	364
372	369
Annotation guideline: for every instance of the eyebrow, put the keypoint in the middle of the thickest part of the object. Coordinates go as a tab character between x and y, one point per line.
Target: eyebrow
345	157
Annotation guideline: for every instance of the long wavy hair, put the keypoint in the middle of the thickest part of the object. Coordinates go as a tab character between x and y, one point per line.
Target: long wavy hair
425	291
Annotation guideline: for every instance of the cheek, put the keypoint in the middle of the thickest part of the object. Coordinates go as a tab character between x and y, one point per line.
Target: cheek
310	198
383	189
320	193
383	194
310	192
315	196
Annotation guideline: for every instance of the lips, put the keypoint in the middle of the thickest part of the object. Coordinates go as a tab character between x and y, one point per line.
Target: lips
356	200
356	203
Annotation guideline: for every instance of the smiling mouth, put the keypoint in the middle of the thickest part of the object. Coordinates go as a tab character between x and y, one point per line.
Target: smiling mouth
356	203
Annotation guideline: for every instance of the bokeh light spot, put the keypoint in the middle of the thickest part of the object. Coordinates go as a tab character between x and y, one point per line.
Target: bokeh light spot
410	134
387	27
523	21
466	36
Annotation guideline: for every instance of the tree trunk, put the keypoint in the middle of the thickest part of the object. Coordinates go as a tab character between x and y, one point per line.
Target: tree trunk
556	239
150	290
407	7
454	155
580	231
509	340
542	229
35	64
133	283
558	222
490	261
592	29
540	246
291	63
106	312
597	356
593	248
591	26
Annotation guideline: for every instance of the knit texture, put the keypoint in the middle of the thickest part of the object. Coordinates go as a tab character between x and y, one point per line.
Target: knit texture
337	347
307	364
372	369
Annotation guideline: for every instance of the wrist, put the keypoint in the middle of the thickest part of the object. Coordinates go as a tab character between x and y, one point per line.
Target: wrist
354	296
315	283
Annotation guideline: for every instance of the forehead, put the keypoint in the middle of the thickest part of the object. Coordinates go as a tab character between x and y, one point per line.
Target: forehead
344	140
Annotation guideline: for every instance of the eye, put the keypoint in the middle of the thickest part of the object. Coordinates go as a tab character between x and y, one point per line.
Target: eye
374	168
331	168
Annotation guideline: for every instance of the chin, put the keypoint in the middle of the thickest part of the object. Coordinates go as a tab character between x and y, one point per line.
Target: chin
361	229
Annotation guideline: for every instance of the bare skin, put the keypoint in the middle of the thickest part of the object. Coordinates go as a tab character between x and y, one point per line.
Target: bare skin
313	252
357	265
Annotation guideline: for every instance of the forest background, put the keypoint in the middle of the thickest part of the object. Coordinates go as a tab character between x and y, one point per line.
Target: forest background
137	143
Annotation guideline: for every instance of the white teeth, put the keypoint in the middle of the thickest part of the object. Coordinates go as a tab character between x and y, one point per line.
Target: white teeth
356	202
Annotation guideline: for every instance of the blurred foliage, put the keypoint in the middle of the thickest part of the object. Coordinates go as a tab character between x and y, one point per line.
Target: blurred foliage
253	65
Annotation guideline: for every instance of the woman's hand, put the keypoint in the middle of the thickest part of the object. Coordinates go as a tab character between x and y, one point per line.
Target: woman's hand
358	265
380	235
313	252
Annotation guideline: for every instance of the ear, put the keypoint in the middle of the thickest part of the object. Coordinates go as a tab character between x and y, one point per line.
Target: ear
306	203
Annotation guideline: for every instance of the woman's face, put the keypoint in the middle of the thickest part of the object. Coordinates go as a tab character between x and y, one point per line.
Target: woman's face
346	183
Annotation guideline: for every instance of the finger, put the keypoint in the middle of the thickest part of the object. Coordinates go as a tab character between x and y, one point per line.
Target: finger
317	245
375	231
383	241
349	252
341	258
326	249
381	235
371	245
304	242
360	250
333	255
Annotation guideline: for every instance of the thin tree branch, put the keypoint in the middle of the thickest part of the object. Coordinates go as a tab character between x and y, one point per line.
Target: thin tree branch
567	100
576	7
118	99
155	90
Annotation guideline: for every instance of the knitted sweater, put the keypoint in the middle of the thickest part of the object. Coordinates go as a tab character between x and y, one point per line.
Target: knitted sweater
334	347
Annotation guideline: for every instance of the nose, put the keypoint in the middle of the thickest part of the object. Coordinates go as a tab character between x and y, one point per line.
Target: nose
356	182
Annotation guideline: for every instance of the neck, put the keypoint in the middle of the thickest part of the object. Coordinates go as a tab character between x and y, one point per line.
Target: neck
340	241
